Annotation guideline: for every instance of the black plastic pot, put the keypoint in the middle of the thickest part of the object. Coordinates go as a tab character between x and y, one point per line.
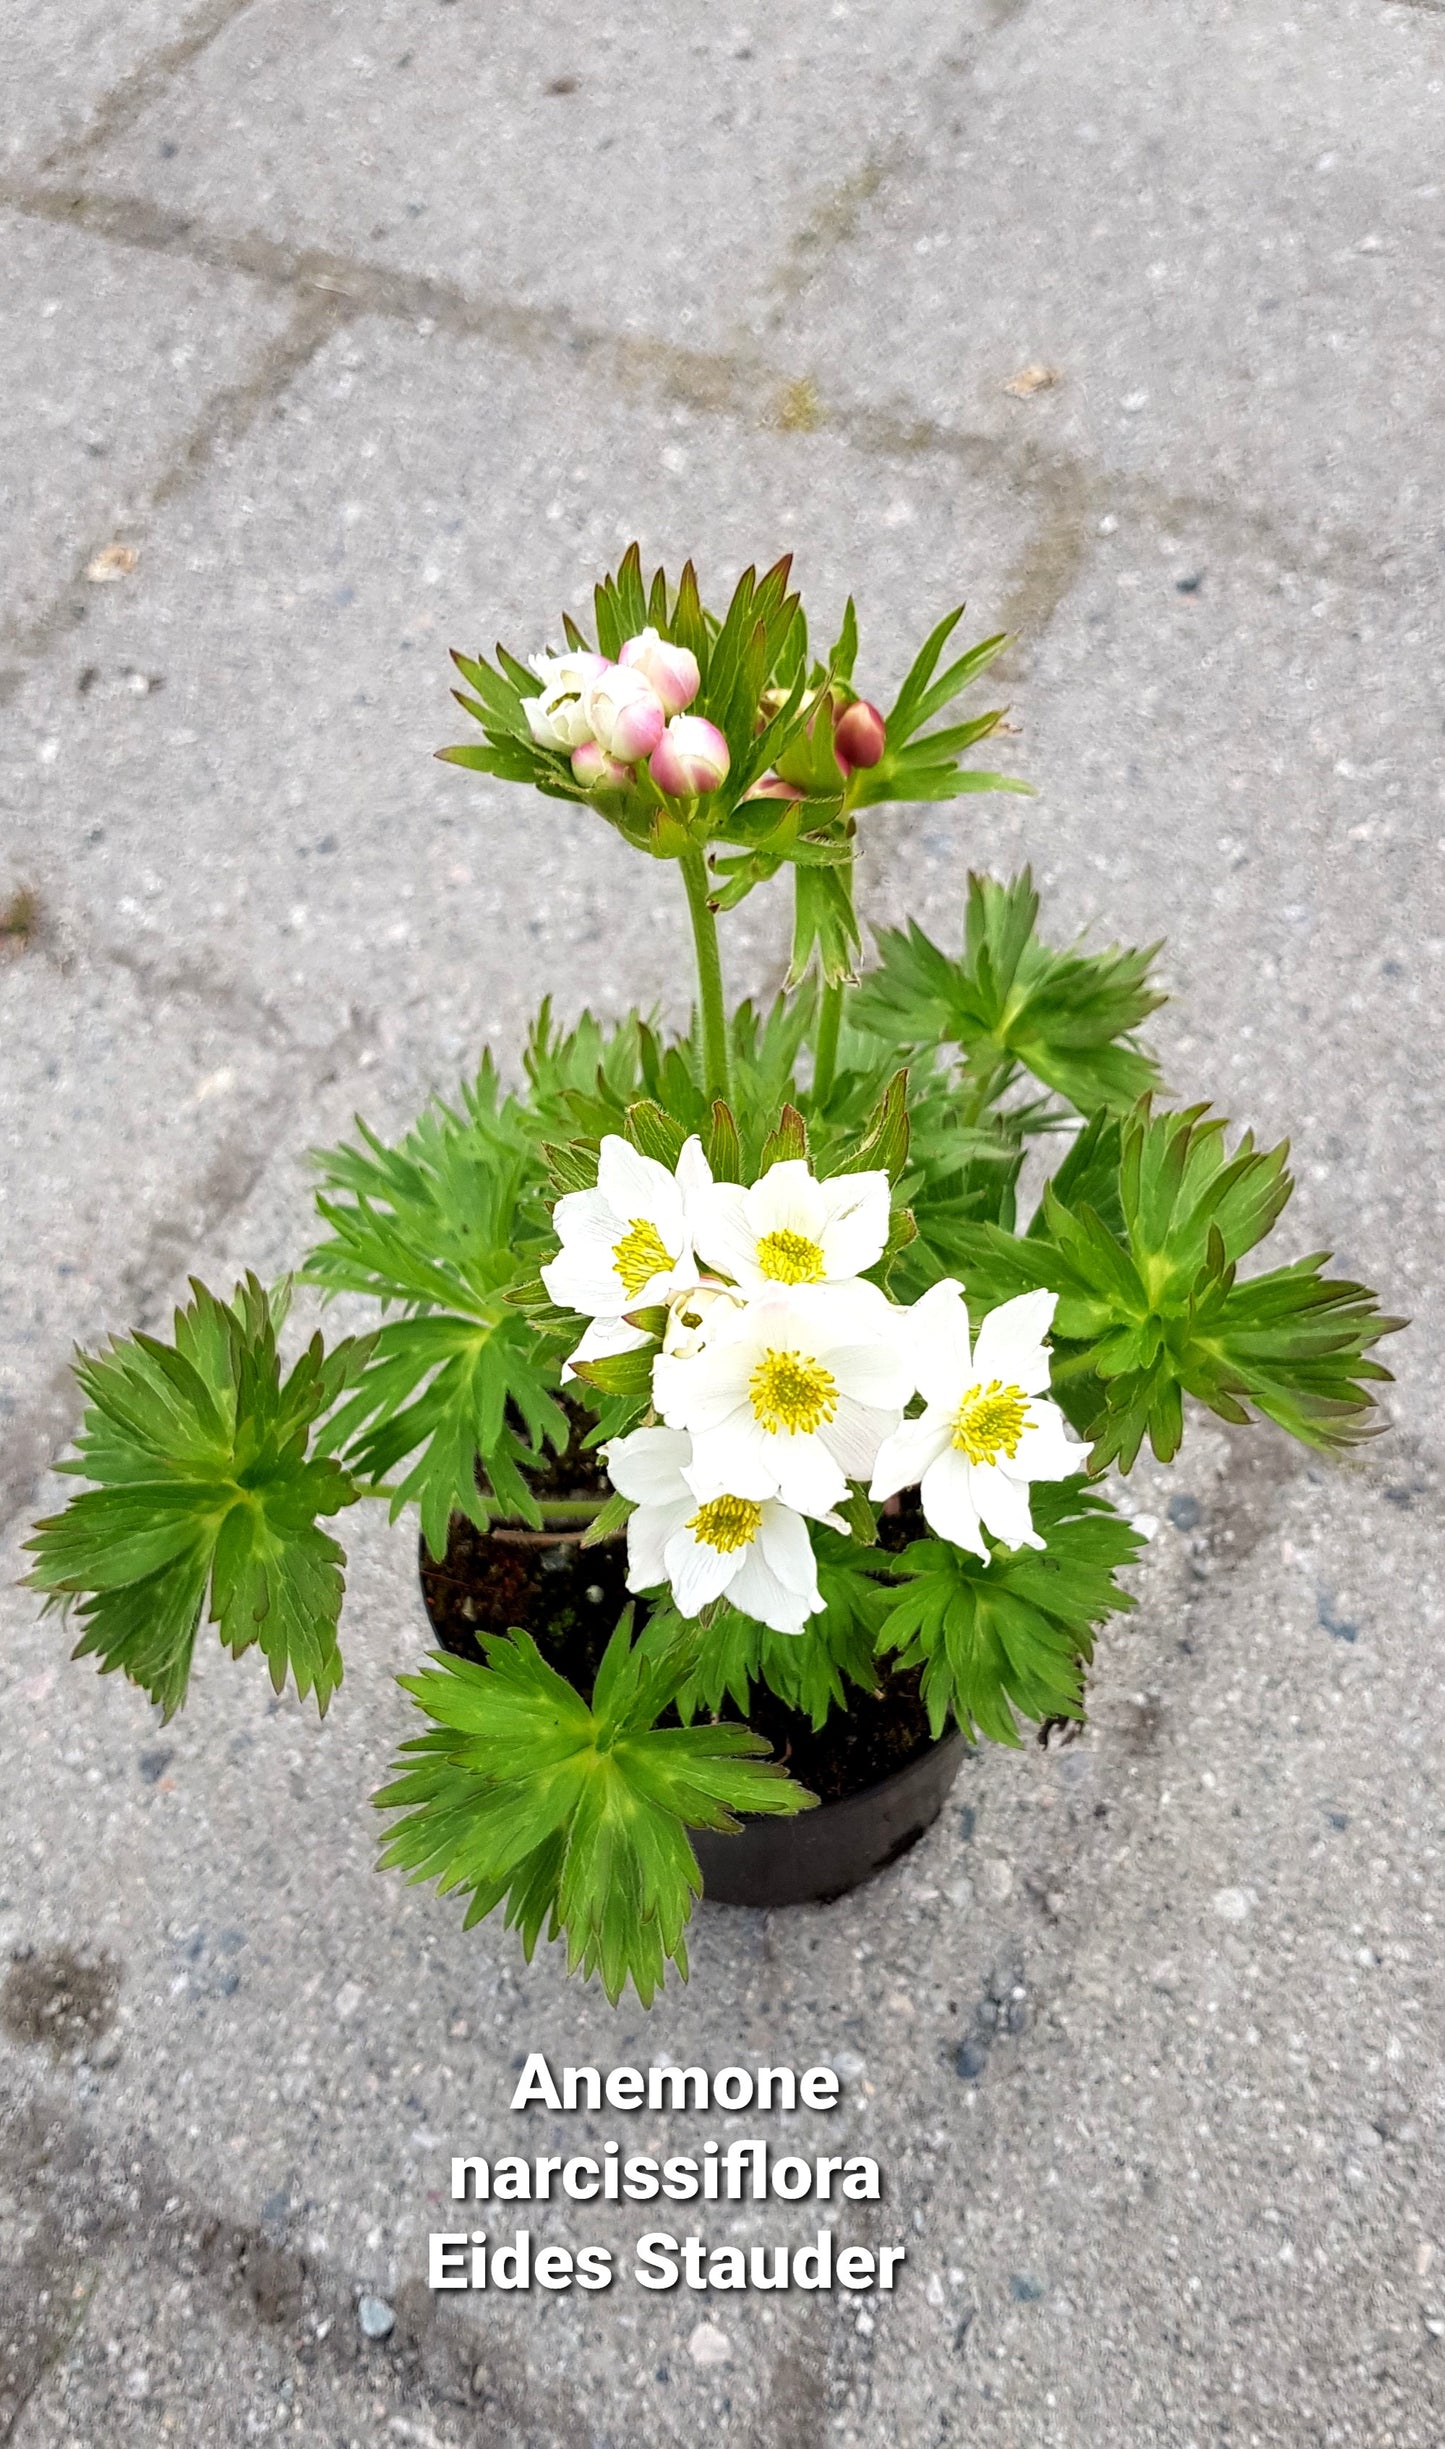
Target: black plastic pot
571	1597
822	1854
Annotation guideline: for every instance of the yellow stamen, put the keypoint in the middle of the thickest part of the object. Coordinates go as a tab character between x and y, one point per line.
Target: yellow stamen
640	1255
726	1523
791	1394
790	1258
990	1421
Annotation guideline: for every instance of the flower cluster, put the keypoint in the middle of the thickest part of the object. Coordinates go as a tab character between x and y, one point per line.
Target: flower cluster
782	1375
611	717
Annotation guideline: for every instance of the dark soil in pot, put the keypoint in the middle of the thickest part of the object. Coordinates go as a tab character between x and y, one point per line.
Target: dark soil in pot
875	1764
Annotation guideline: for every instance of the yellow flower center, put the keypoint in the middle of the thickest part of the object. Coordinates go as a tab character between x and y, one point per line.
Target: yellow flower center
990	1421
726	1523
640	1255
790	1258
792	1395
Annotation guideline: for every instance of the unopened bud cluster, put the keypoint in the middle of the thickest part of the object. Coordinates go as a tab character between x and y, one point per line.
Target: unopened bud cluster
613	717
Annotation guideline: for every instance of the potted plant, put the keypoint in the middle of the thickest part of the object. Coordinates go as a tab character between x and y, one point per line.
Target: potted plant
743	1325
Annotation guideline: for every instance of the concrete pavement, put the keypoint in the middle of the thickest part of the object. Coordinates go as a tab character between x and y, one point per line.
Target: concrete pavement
334	337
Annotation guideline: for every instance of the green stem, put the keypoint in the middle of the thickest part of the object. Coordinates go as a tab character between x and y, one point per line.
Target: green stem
825	1044
554	1509
709	974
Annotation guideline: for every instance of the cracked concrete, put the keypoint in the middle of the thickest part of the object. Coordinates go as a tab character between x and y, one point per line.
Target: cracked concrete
1146	2035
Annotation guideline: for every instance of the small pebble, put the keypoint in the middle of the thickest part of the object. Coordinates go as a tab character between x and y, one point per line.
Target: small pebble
375	2317
998	1880
1024	2288
346	2001
707	2345
1232	1904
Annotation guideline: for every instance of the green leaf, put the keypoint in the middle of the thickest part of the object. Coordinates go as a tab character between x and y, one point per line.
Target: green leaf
788	1143
654	1133
206	1483
1011	1638
720	1660
576	1817
1150	1308
883	1146
824	920
447	1225
1012	1001
620	1373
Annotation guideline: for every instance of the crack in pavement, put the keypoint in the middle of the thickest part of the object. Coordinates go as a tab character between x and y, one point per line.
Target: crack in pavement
744	383
224	417
133	93
87	2199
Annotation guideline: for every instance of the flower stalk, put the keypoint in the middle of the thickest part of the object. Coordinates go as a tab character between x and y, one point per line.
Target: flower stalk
712	1005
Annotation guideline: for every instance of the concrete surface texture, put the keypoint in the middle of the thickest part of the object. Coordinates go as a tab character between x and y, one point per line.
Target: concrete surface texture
333	337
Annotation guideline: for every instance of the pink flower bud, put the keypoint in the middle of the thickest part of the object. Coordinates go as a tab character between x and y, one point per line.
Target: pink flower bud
690	758
595	770
625	713
772	786
859	735
672	670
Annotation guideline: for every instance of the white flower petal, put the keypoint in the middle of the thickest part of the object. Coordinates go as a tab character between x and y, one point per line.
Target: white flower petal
775	1584
648	1532
853	1313
784	1541
786	1200
807	1477
698	1572
906	1455
1045	1452
636	1185
1010	1343
937	1333
720	1231
694	1174
735	1460
648	1465
703	1390
855	1433
856	1213
945	1494
1003	1506
877	1374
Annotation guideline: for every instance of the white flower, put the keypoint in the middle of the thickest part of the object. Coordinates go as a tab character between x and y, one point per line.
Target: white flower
985	1431
626	1245
757	1552
558	718
790	1229
790	1396
696	1314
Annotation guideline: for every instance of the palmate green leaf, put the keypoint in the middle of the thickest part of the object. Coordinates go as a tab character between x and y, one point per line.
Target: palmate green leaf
448	1225
1150	1308
1011	1638
208	1480
723	1657
1014	1002
575	1816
